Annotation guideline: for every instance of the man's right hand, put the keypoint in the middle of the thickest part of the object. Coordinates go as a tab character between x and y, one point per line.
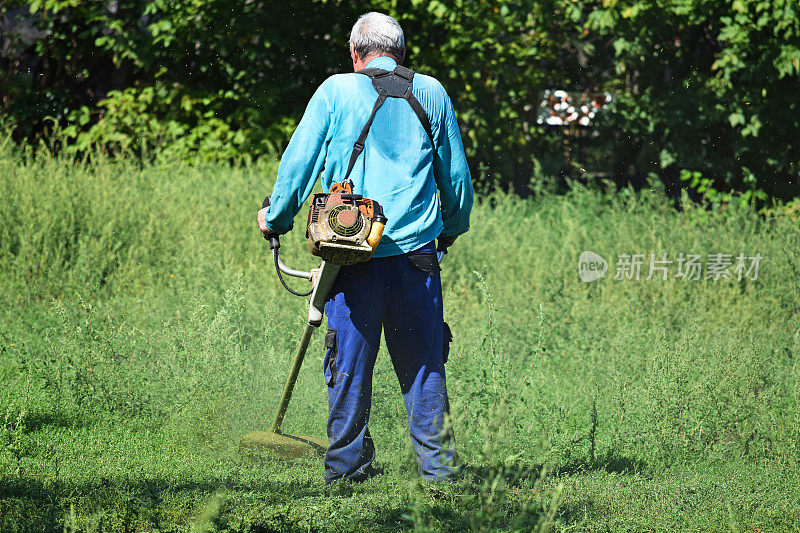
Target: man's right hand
445	242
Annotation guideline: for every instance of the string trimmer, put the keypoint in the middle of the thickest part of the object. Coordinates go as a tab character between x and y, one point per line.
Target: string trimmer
343	229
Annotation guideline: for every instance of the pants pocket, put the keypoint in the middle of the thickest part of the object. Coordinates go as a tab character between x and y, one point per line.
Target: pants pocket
425	261
329	365
447	337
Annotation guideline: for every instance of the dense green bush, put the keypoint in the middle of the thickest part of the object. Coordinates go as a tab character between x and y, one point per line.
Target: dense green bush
144	75
706	90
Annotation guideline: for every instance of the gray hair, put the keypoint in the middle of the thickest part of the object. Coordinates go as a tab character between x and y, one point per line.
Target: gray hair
378	33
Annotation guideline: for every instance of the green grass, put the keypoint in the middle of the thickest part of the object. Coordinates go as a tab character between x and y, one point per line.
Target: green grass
143	331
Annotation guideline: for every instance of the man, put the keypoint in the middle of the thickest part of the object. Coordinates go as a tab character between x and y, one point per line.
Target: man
399	288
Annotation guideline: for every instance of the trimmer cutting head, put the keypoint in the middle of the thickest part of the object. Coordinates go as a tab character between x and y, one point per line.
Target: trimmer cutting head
283	445
275	441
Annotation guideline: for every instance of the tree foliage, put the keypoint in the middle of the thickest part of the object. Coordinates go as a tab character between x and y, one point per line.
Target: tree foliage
708	88
705	90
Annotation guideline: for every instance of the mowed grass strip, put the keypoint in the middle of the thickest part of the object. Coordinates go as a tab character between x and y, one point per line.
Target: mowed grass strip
143	331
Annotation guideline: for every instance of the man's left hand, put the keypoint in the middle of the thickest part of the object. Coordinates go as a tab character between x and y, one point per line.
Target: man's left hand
266	231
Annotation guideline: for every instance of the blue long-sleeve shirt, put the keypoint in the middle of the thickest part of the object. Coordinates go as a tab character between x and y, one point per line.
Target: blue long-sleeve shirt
396	167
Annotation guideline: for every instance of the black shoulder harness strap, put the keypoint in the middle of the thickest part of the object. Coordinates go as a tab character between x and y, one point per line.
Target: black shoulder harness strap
391	84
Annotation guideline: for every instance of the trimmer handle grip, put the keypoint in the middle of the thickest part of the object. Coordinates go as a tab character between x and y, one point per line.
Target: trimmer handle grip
274	243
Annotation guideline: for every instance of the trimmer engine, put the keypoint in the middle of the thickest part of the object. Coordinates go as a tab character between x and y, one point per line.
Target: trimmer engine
344	228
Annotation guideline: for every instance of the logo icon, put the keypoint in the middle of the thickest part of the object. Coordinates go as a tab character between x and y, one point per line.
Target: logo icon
591	266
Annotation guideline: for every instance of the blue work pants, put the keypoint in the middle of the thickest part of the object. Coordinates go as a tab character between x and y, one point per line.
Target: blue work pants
394	294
